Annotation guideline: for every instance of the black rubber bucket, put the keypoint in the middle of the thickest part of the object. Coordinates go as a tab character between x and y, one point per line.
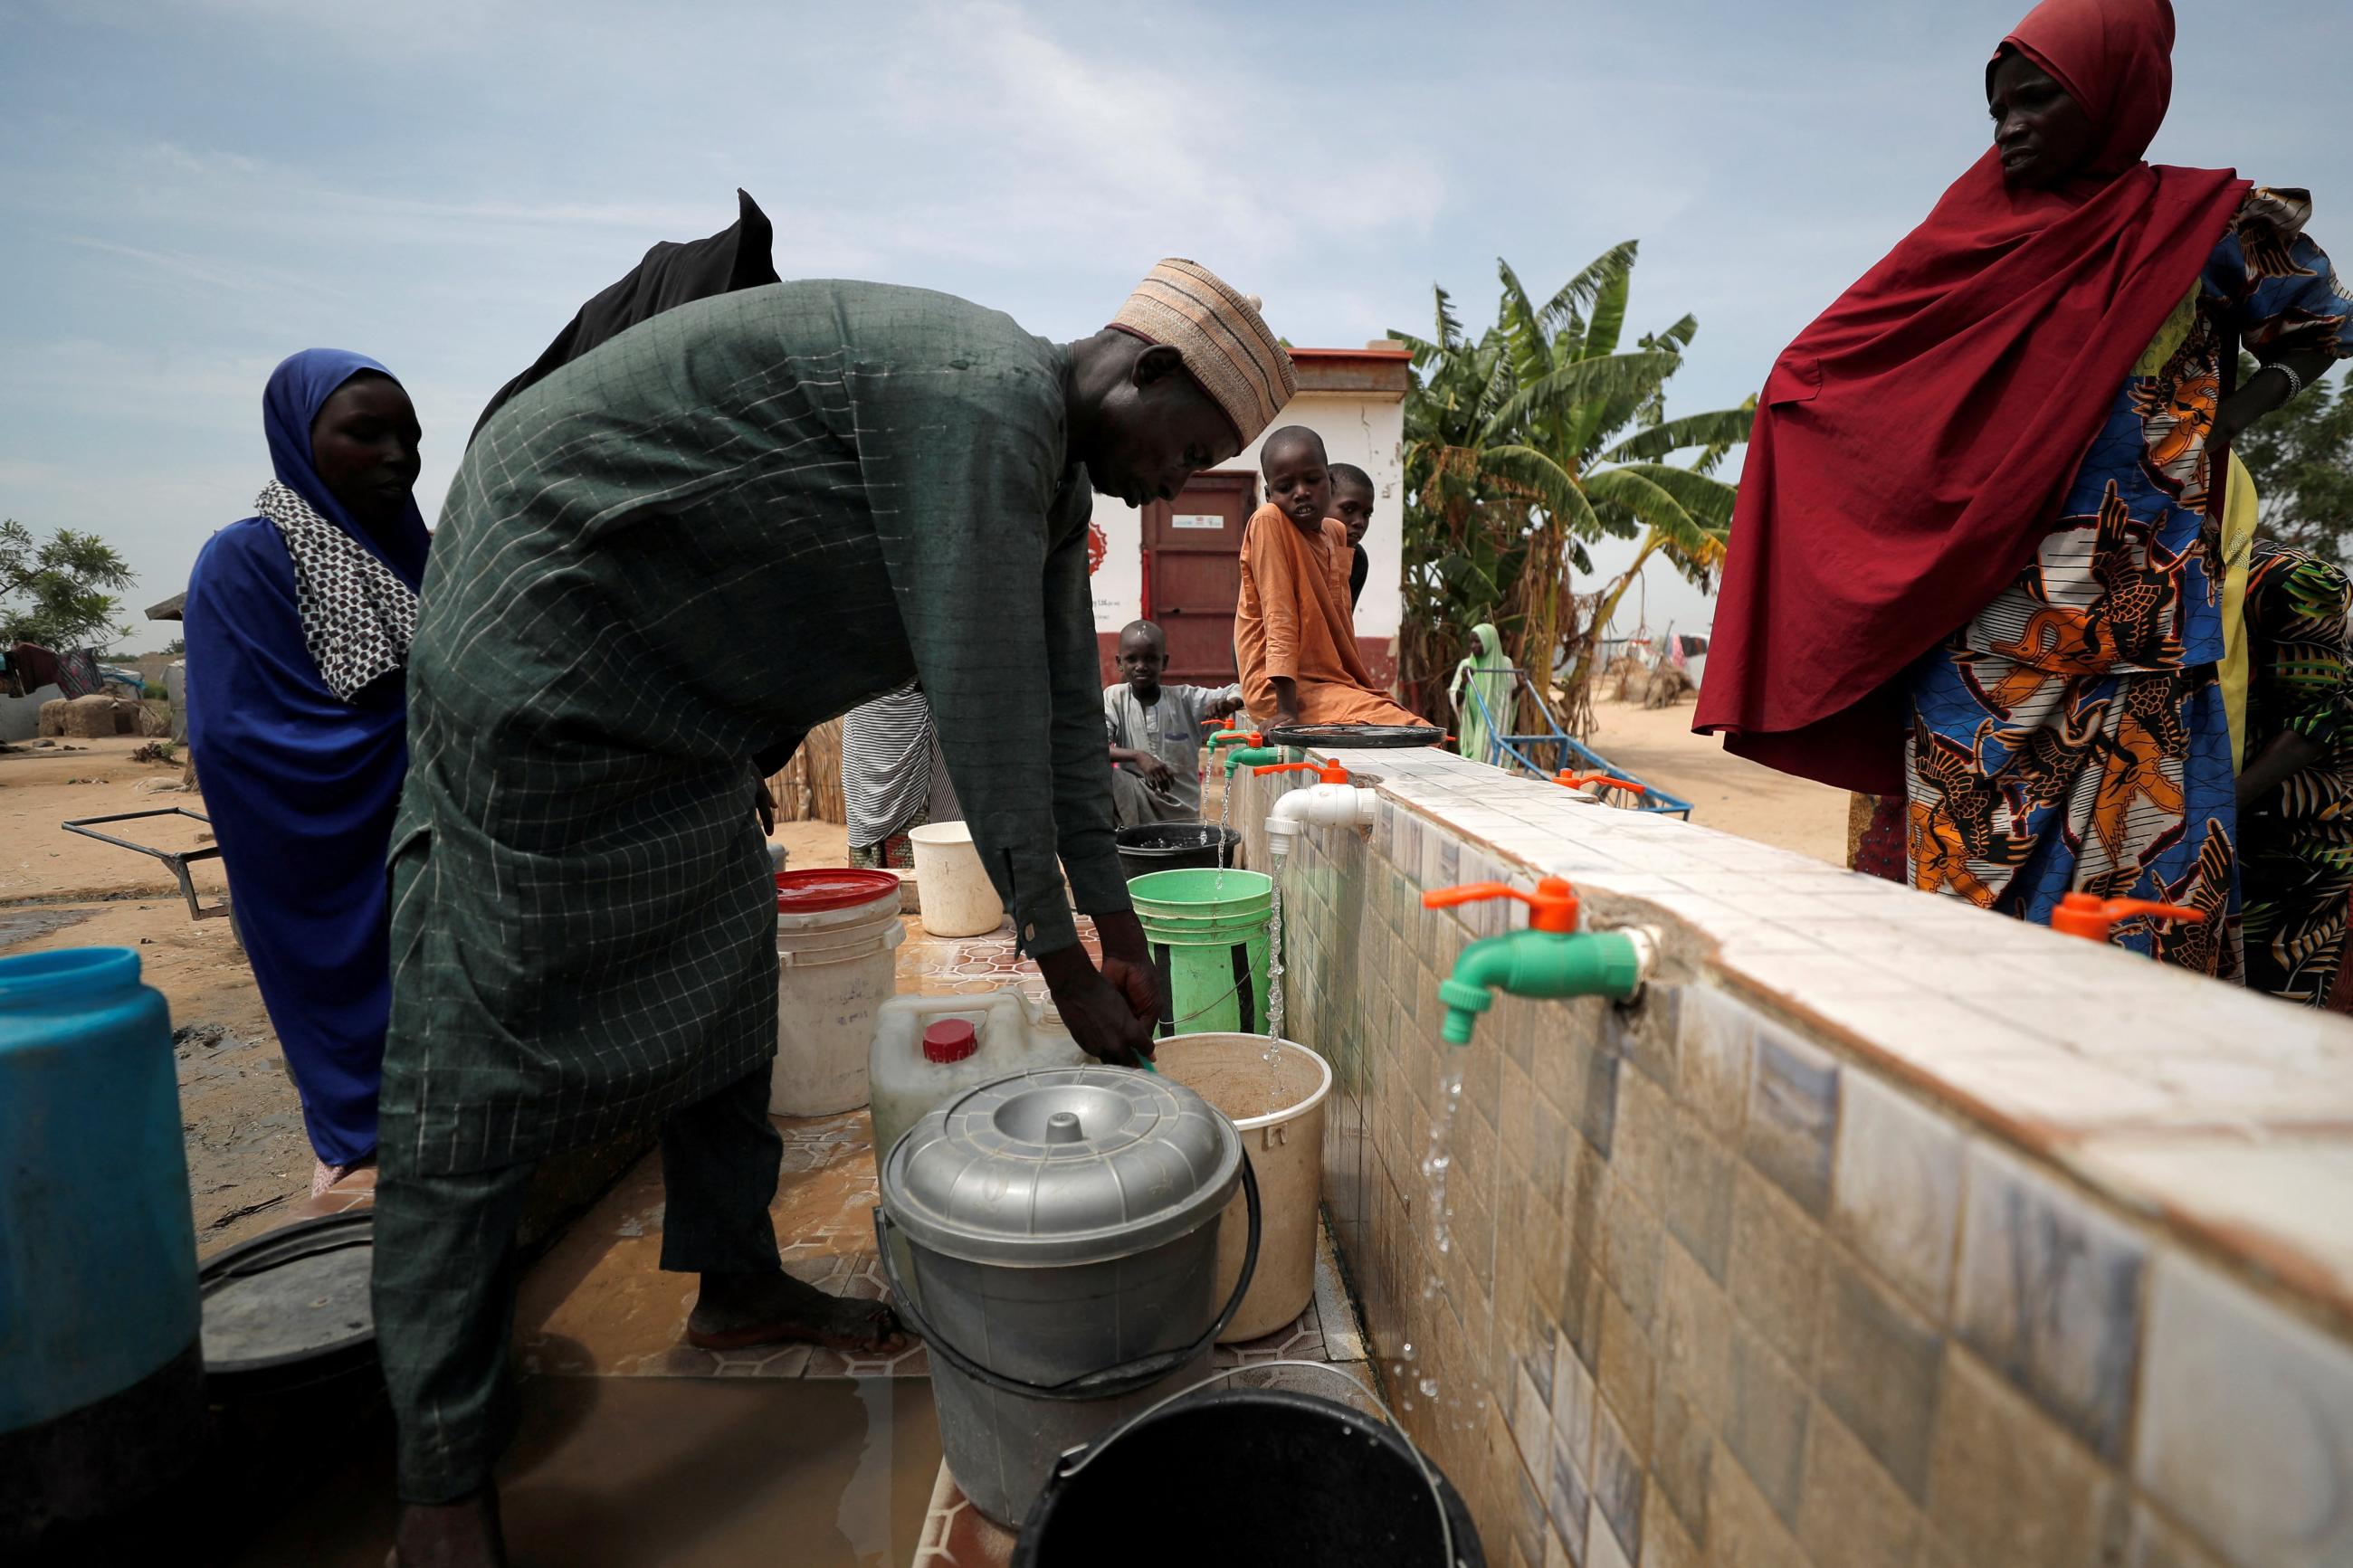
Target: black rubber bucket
1283	1478
1176	847
290	1338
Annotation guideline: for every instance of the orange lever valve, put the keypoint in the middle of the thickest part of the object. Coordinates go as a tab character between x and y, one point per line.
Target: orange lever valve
1324	771
1569	779
2094	917
1552	907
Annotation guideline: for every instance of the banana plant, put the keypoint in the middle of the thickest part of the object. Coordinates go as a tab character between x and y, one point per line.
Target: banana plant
1528	444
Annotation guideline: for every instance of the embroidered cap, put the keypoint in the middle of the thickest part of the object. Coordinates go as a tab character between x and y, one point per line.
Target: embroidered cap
1225	341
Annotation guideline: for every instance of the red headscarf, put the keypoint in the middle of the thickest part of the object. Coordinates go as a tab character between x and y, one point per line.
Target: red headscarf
1912	446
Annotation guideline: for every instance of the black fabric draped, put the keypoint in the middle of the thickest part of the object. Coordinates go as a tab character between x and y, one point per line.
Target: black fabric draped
738	256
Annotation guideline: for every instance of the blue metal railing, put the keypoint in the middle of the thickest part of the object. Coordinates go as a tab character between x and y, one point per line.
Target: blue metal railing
1553	749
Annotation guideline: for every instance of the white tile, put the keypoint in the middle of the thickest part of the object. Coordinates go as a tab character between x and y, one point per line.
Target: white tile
1921	1028
1603	1550
2286	1196
2247	1422
1897	1194
1531	1422
1718	1034
2052	1091
1572	1403
1807	980
2049	1292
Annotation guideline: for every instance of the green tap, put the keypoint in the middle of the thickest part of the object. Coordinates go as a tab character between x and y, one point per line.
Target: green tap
1251	749
1550	959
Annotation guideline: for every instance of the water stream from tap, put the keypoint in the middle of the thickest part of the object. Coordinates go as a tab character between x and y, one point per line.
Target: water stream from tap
1437	1161
1274	956
1225	815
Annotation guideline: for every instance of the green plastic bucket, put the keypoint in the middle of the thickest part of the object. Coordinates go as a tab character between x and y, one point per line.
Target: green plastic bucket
1209	947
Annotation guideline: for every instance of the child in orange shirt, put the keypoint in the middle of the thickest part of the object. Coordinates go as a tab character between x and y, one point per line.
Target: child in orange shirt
1294	636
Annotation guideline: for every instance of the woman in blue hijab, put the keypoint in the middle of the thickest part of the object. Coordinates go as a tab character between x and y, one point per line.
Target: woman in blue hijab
298	624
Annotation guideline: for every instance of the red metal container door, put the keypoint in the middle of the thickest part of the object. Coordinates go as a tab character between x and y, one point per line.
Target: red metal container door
1193	575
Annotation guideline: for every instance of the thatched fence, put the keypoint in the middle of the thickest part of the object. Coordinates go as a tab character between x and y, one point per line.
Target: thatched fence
809	787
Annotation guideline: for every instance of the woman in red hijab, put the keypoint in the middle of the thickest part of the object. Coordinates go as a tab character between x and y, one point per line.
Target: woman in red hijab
1972	566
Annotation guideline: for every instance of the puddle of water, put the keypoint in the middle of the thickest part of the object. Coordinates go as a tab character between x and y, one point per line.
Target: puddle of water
25	925
686	1472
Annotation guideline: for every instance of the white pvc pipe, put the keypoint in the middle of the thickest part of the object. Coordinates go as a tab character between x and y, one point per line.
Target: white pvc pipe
1318	806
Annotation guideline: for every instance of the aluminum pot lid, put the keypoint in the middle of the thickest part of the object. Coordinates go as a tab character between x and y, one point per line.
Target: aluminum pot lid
1065	1165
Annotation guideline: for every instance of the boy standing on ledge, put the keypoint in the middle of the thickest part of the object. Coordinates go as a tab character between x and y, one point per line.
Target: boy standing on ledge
1295	632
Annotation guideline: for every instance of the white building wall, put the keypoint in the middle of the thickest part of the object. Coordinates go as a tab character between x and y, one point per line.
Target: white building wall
20	717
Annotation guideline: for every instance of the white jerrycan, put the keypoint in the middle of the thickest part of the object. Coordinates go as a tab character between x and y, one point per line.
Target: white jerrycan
932	1048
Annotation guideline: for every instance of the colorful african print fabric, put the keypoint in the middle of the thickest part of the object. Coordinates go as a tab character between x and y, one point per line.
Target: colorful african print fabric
2072	736
2297	848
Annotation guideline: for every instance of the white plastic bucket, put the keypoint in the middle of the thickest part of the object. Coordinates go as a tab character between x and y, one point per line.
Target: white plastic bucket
958	900
1280	1114
835	968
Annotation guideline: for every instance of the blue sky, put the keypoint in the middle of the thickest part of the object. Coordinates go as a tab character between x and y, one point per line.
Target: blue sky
190	191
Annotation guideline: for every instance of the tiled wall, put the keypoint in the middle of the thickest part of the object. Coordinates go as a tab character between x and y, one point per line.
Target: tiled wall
1880	1231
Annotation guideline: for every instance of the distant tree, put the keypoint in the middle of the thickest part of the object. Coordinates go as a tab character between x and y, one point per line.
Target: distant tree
2302	460
176	648
53	592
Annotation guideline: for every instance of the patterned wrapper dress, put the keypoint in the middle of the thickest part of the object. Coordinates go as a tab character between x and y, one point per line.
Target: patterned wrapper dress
2071	736
2296	844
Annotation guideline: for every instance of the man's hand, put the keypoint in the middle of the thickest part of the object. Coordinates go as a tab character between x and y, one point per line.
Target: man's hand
1153	771
1128	964
1111	1012
763	805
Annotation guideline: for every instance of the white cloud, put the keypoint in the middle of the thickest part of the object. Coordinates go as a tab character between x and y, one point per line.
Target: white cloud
1095	149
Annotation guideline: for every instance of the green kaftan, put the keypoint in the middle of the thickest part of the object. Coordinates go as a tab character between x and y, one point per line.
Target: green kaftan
731	523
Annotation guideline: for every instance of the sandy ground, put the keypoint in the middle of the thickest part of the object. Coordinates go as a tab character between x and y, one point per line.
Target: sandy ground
1728	793
247	1155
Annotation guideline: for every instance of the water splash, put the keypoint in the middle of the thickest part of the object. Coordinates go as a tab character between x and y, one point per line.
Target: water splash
1436	1162
1440	1157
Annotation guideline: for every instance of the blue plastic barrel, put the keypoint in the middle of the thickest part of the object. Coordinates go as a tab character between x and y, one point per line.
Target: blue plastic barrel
97	1250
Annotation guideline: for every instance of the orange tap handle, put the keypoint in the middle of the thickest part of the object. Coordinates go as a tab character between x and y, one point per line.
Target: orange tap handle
1552	907
2087	916
1326	772
1568	779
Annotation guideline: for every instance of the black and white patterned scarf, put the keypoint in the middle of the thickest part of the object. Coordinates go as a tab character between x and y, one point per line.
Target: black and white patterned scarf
357	616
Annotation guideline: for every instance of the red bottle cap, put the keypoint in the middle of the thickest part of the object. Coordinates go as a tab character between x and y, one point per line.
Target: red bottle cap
949	1040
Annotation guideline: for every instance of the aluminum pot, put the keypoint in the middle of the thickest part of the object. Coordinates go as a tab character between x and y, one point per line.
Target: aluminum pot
1054	1237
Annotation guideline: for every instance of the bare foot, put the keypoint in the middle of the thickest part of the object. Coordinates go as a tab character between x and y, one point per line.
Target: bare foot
735	1310
461	1534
